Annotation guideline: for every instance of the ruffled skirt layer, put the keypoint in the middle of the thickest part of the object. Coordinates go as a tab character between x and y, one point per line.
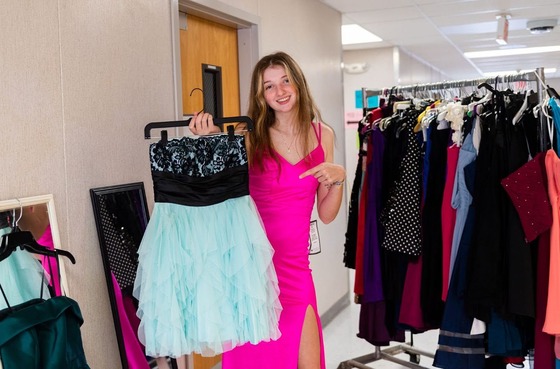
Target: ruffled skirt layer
205	281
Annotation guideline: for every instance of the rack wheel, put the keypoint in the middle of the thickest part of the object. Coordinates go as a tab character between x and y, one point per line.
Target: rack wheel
414	358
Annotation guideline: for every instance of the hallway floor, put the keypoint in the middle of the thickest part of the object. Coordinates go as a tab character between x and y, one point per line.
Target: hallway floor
342	344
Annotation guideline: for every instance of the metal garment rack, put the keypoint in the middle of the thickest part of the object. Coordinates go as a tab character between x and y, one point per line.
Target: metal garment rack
533	76
537	76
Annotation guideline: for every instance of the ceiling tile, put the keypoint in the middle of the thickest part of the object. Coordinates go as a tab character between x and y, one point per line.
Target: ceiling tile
439	31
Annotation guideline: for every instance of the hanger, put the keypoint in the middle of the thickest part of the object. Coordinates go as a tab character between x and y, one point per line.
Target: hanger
552	92
488	87
485	99
185	122
25	241
528	102
517	117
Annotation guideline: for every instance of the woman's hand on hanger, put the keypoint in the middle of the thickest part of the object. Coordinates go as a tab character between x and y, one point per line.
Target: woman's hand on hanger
203	124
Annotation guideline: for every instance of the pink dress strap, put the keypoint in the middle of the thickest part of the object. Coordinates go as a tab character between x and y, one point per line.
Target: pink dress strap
318	130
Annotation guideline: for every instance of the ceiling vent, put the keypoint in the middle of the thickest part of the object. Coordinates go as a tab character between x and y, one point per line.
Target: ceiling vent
540	26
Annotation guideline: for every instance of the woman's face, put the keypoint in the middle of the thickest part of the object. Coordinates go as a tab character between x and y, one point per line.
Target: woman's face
279	92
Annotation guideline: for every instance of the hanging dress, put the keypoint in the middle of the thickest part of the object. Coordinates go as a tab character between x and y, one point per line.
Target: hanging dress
401	214
352	229
552	321
500	273
373	306
527	189
448	216
36	331
21	276
42	334
432	243
285	203
458	347
205	281
461	199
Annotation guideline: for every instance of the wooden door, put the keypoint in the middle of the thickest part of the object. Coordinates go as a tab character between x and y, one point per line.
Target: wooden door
207	42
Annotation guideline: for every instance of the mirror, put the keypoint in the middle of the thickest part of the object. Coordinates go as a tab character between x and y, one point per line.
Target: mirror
121	217
37	215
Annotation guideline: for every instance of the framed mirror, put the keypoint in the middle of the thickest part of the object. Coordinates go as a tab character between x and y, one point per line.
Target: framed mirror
121	217
37	215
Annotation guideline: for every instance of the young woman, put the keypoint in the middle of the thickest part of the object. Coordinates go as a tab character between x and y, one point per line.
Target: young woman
291	163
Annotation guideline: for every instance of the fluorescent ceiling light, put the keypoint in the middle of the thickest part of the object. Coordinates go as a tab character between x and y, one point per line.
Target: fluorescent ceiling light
509	52
354	34
506	72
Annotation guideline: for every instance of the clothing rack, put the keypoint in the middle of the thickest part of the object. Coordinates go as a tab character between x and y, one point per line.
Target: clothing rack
532	76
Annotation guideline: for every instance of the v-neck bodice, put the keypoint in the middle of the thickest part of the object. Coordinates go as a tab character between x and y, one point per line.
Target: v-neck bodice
285	201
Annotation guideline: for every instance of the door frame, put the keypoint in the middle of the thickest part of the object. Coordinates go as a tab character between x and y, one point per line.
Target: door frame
248	42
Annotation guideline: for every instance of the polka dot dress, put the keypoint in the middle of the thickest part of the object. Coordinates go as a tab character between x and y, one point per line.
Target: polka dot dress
401	218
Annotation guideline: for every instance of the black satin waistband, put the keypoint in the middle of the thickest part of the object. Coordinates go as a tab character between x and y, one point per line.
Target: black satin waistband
201	191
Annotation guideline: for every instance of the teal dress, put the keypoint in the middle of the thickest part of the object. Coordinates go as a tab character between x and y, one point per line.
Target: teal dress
42	334
22	276
205	281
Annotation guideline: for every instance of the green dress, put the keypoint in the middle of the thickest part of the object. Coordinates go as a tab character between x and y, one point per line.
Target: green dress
42	334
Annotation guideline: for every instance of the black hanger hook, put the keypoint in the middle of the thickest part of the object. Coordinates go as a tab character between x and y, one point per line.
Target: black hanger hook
199	89
486	86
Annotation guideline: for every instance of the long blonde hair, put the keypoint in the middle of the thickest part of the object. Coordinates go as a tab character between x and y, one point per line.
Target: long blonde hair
264	117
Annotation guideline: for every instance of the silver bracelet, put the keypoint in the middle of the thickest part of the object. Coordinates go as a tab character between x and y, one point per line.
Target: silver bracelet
335	183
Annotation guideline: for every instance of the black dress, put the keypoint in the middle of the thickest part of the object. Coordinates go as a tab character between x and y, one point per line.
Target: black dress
432	242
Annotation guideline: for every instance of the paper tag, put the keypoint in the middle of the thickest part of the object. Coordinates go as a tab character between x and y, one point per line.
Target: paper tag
314	241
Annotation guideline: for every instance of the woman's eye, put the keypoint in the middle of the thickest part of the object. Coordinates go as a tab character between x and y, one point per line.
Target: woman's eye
267	87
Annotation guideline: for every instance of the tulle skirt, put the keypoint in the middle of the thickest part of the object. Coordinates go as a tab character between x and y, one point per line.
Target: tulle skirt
205	281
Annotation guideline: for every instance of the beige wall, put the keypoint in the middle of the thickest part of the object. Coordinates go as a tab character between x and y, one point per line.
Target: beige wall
414	71
80	79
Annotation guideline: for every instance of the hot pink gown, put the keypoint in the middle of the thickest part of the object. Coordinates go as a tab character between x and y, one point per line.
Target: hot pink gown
285	203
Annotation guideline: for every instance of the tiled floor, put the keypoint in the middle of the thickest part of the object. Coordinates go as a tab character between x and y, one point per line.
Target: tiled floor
341	343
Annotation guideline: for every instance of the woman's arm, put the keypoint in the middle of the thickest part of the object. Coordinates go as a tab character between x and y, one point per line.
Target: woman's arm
331	179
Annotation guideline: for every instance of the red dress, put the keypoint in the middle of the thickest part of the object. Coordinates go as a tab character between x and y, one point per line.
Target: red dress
448	216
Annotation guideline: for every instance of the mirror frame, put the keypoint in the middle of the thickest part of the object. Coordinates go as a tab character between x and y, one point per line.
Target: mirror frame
48	199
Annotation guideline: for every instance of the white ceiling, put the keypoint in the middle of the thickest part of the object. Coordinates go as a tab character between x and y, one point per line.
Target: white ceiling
439	32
